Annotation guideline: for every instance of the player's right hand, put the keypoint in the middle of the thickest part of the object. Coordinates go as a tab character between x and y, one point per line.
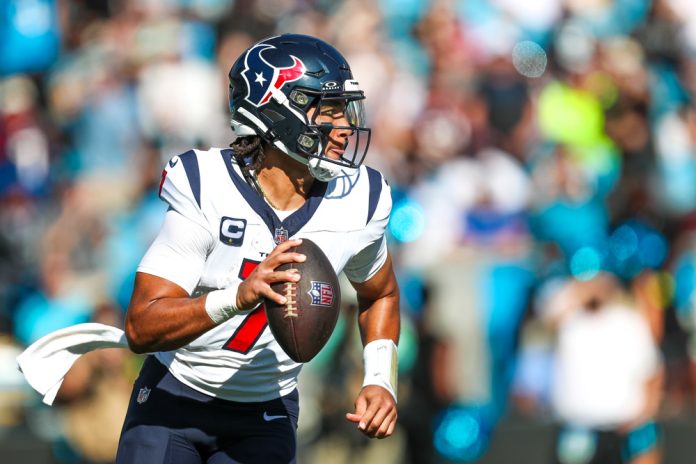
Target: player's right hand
375	412
258	285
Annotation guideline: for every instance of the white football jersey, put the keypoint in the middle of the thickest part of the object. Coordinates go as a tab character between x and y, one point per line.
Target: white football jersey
228	229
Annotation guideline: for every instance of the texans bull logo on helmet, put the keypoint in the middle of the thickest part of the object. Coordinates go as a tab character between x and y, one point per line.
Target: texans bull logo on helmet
263	79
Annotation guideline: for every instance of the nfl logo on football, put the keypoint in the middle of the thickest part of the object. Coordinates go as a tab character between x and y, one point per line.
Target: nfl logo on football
143	395
321	293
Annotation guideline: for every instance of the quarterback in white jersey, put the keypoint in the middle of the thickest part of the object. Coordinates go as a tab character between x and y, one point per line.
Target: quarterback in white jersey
216	232
218	387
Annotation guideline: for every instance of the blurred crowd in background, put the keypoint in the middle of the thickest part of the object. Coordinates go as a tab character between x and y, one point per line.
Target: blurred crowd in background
542	158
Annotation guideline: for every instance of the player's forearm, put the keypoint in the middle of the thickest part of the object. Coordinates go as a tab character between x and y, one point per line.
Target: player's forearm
167	324
161	315
380	319
379	322
378	303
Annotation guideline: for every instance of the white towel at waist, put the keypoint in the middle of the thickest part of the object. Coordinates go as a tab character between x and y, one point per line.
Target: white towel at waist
46	361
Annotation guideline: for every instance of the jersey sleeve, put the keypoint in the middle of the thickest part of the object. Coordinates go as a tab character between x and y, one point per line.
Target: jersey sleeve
180	187
372	243
179	251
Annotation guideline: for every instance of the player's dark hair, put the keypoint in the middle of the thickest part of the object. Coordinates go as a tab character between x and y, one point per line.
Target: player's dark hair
248	152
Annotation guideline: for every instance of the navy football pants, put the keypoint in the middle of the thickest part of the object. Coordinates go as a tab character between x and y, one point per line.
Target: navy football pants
175	424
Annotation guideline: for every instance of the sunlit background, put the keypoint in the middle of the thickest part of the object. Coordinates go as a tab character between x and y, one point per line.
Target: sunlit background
533	149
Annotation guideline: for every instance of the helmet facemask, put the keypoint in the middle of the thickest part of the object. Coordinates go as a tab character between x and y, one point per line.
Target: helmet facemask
314	142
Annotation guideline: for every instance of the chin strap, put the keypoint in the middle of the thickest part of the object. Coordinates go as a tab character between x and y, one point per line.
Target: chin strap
323	170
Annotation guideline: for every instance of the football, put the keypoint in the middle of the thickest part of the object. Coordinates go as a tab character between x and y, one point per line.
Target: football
304	324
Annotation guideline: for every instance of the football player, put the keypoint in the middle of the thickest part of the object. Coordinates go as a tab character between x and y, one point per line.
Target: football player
218	387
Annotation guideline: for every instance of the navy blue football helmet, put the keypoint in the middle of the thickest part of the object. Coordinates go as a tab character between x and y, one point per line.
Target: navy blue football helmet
274	83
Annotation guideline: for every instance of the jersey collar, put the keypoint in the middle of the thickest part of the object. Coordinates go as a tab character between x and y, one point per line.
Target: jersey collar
292	223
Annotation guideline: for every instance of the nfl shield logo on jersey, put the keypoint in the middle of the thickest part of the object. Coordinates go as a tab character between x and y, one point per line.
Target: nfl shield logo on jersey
321	293
143	395
281	235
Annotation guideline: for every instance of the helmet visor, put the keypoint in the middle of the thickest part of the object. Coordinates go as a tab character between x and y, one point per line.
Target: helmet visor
355	113
340	111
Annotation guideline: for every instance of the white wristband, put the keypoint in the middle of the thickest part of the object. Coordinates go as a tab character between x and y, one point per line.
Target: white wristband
222	304
381	363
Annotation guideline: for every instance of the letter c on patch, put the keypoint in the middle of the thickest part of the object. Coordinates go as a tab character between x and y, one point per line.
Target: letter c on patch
232	231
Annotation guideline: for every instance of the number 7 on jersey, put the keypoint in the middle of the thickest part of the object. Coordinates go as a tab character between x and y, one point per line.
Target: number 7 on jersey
253	325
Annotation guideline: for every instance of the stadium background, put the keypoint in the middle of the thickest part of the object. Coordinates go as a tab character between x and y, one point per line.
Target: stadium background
525	142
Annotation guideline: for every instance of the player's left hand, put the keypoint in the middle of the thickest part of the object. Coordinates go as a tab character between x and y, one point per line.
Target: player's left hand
375	412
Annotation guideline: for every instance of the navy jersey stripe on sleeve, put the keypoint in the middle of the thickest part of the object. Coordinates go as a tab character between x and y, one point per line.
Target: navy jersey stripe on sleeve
375	179
190	163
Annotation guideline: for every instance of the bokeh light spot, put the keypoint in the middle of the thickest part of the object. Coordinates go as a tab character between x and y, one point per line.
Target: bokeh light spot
653	250
623	243
529	59
459	435
585	263
407	221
